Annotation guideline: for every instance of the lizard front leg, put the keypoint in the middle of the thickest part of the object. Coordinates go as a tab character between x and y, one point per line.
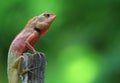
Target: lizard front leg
30	47
31	38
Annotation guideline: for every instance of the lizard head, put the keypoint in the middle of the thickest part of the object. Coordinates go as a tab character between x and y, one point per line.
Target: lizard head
44	21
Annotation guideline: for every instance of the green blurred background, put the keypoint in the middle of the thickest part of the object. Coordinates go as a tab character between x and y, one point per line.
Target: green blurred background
82	45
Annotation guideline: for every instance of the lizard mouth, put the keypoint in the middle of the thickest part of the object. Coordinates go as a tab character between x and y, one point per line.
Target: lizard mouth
53	16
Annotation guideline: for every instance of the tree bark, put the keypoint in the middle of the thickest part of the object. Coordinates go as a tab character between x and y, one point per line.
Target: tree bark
33	68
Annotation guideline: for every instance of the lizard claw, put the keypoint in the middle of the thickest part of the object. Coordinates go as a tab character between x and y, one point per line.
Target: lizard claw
36	52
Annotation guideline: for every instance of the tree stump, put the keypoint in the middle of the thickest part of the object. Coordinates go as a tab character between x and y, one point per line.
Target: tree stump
33	67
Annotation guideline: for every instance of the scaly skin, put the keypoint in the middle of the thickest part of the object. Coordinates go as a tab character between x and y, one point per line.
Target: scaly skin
26	40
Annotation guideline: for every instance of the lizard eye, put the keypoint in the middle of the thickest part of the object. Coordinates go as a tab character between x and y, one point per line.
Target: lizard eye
47	15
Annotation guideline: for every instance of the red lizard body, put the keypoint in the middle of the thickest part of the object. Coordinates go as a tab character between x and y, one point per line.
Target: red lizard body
26	40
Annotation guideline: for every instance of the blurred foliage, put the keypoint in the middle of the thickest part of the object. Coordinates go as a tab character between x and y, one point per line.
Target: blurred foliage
82	45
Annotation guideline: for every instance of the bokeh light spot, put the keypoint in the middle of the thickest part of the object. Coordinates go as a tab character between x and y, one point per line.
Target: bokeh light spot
79	65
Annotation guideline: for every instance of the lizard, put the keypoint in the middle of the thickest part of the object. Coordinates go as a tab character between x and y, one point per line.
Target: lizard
26	40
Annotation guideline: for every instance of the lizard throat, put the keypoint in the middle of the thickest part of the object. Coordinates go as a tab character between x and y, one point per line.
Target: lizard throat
37	29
